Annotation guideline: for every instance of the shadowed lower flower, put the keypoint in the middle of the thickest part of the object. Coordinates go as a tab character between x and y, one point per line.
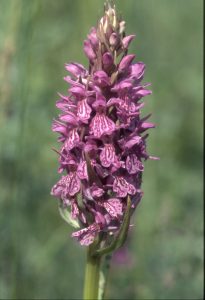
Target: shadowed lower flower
102	134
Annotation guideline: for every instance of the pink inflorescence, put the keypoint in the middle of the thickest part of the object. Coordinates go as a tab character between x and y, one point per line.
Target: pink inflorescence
102	132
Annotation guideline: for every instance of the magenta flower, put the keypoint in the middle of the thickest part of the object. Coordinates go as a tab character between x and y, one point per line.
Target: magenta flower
102	134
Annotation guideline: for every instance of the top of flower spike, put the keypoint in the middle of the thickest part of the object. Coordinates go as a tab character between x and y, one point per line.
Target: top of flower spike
106	42
111	19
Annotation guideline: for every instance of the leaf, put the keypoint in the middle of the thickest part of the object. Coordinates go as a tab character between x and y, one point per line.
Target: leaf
66	215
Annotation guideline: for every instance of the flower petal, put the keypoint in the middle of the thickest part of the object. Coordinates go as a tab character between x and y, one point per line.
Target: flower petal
107	155
82	170
101	78
107	59
137	70
133	164
78	91
88	50
113	207
122	187
83	110
133	141
67	186
87	235
127	40
76	69
125	62
59	127
72	184
101	124
68	117
96	192
72	140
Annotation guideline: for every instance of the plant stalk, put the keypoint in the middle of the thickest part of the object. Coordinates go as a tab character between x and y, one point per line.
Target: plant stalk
91	284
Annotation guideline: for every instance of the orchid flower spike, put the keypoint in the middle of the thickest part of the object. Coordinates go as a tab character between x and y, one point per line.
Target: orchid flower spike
102	137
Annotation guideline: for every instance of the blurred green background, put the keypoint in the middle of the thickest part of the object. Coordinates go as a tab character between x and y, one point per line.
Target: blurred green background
38	259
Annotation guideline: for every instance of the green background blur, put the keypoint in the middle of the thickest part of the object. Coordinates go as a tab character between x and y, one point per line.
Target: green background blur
38	259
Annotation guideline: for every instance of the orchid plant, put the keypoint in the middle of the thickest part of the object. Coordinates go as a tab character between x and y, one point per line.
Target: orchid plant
103	144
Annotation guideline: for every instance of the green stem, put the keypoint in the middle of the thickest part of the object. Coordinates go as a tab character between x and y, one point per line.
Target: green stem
92	272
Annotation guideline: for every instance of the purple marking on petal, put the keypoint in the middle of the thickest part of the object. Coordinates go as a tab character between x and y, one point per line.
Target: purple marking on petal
107	155
122	187
83	110
87	239
87	235
72	140
131	189
113	207
74	209
101	124
80	232
133	164
96	192
72	184
82	170
125	62
67	186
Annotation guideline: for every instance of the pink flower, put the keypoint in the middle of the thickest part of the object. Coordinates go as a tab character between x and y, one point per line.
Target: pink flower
102	133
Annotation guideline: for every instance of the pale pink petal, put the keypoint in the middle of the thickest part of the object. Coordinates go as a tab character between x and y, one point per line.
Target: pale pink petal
133	164
82	170
83	110
107	155
113	207
101	124
87	235
72	140
122	187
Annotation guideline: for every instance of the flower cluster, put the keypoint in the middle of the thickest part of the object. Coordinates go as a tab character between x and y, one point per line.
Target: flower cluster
102	133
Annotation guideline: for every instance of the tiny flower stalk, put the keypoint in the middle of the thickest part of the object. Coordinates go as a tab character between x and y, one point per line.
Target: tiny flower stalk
103	143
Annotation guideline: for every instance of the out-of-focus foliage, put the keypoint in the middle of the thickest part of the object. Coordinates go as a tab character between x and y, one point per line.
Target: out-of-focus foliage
38	259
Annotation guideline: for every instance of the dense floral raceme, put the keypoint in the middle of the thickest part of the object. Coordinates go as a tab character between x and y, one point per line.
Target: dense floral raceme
102	133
